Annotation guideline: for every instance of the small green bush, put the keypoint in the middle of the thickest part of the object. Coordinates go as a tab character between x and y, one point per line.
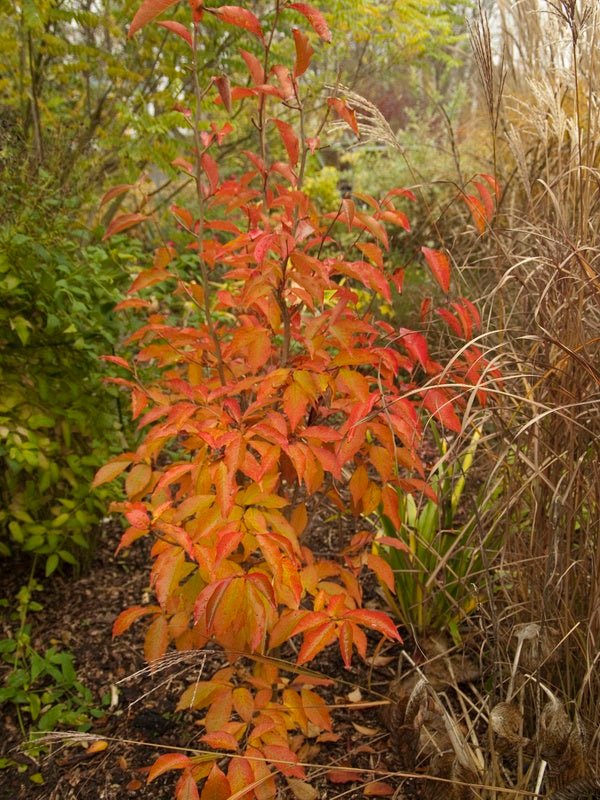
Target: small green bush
58	422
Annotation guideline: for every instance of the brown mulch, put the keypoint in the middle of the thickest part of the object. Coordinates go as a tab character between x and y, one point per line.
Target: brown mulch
78	616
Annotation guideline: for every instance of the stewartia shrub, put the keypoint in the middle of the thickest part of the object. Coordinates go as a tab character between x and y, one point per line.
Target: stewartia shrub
284	386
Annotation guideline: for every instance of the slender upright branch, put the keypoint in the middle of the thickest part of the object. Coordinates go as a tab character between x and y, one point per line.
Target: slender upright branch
198	96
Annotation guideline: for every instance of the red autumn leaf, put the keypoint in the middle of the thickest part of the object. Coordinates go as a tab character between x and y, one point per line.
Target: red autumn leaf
166	763
304	52
439	264
147	12
486	199
209	165
342	110
240	17
474	313
122	222
316	640
115	191
415	345
342	775
284	759
290	140
138	518
439	404
295	403
315	18
465	320
382	569
424	310
449	318
477	210
224	88
178	29
492	182
255	68
126	618
376	620
345	642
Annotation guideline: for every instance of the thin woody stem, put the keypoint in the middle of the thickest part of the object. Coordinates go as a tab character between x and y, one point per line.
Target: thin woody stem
198	95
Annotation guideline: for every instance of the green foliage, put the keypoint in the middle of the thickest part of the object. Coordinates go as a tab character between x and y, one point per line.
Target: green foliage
436	555
322	188
57	420
43	687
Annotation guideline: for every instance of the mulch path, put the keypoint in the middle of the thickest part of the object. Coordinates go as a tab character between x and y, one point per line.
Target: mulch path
78	616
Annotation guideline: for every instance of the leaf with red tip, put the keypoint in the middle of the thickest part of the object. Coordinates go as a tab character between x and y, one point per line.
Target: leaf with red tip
122	222
439	264
178	29
166	763
290	140
315	18
342	109
147	12
304	52
240	17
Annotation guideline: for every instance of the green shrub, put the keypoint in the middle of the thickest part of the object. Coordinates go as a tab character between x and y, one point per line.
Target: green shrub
58	422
